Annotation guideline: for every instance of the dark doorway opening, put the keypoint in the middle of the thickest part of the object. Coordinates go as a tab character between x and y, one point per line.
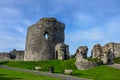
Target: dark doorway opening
56	55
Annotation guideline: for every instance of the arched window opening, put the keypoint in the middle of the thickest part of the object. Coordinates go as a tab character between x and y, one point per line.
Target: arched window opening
46	35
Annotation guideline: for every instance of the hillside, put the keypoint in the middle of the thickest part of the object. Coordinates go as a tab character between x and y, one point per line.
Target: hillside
97	73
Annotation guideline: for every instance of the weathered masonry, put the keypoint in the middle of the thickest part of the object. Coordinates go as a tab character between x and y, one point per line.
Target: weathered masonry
42	38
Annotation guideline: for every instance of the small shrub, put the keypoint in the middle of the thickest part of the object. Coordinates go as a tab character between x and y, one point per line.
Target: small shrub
93	60
117	60
96	61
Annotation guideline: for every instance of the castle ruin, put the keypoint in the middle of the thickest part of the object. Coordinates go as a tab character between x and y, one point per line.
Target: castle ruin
42	38
45	41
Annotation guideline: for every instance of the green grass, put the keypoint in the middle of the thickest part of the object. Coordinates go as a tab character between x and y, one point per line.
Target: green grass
17	75
58	65
101	72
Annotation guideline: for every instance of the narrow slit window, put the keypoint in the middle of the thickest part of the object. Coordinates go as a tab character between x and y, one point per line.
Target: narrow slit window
46	35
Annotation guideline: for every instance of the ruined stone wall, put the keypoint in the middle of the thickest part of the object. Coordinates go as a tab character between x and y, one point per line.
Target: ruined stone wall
61	51
97	51
19	55
108	46
4	56
82	50
116	49
12	55
113	47
42	38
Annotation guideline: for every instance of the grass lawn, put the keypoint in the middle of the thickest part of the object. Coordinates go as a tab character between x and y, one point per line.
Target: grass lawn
17	75
98	73
58	65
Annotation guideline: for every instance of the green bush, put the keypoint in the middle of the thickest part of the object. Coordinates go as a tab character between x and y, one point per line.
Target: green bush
93	60
117	60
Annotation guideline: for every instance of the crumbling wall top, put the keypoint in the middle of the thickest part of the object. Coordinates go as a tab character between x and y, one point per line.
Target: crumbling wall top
49	22
48	19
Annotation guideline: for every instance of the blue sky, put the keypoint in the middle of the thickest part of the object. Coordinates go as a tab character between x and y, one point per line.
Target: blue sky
88	22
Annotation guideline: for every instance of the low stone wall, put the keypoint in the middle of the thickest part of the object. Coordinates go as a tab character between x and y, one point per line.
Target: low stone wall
13	55
98	50
19	55
4	56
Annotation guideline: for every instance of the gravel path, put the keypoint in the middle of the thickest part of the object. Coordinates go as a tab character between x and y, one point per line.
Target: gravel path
115	66
61	76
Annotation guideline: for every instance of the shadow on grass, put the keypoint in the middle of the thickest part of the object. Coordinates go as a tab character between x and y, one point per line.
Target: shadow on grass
73	74
4	62
58	72
76	74
4	77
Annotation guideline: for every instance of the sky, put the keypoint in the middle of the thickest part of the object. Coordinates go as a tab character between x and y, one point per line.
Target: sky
88	22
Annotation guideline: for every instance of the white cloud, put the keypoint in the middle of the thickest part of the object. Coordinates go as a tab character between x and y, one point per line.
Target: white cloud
90	34
7	12
11	36
84	18
20	29
10	42
114	26
27	22
104	32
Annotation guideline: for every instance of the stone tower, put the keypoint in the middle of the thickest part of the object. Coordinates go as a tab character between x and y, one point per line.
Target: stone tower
42	38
